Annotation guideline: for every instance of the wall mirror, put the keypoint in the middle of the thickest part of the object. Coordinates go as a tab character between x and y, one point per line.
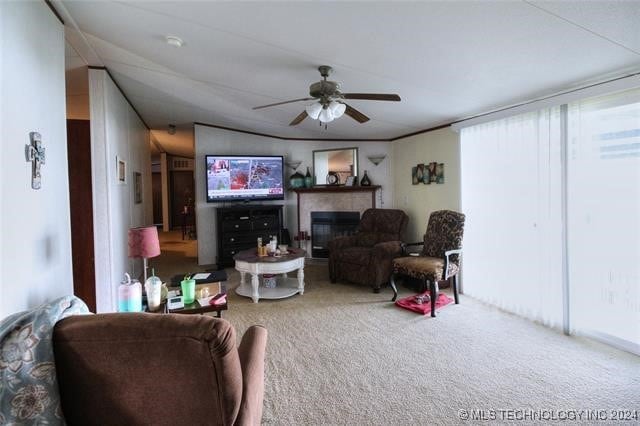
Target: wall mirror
329	163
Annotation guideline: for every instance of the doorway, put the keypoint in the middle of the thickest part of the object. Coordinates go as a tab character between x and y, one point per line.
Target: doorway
81	210
182	203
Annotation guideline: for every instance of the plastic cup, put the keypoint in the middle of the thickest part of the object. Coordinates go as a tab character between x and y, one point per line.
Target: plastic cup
188	291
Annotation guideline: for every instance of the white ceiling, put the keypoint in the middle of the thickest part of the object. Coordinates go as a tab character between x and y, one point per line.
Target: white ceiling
447	60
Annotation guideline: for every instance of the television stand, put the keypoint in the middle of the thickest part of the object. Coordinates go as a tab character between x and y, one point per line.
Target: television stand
240	226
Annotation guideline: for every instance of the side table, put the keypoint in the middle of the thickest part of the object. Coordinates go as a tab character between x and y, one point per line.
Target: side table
195	307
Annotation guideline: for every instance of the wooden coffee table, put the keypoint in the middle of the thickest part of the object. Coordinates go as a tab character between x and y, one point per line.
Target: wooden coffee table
248	261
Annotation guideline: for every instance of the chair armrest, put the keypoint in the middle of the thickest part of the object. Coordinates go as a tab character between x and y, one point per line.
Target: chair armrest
252	351
388	248
450	252
447	254
342	242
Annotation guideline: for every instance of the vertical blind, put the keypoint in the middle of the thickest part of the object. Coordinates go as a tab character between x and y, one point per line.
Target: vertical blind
511	187
603	187
512	180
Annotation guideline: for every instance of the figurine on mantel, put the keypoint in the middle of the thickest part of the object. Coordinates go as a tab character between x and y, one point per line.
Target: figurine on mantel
365	181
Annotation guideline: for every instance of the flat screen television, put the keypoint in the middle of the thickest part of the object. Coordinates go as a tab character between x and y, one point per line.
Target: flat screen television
244	177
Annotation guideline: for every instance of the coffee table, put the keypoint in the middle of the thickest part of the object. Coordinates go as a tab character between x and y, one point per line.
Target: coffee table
248	261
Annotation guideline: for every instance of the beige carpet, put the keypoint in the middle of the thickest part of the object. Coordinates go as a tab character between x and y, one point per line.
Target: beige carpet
340	354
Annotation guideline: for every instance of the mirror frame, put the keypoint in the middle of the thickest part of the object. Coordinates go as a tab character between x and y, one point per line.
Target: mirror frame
318	179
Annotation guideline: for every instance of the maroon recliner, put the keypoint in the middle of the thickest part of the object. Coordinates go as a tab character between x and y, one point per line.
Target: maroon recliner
365	258
135	369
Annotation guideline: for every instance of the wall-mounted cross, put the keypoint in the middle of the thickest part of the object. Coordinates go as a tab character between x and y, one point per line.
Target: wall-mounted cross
35	153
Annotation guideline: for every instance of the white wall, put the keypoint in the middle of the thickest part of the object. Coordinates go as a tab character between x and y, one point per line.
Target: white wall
116	131
418	201
209	140
35	256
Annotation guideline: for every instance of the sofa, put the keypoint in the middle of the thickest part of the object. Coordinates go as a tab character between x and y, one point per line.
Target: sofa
365	257
135	369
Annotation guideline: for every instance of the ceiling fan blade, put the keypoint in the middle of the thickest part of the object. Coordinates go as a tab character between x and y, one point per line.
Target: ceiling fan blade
372	96
282	103
299	118
356	115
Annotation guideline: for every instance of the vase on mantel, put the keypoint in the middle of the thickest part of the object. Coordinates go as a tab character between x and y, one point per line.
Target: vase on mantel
308	179
296	180
365	181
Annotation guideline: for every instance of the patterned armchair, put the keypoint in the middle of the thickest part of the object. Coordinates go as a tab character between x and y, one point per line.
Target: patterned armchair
365	258
440	256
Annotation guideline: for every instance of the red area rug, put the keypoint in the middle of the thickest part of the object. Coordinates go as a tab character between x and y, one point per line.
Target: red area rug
411	304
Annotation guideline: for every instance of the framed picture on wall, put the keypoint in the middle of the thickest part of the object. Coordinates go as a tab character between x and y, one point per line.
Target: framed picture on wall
432	171
121	171
440	173
137	187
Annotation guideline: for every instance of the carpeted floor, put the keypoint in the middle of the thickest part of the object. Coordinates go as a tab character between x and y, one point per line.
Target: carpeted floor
340	354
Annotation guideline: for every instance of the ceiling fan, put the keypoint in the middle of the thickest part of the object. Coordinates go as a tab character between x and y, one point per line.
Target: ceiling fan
330	101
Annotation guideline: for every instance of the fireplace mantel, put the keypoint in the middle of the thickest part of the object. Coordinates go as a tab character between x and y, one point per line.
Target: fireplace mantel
336	188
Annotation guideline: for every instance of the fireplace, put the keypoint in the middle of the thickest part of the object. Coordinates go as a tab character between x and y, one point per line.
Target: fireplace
326	226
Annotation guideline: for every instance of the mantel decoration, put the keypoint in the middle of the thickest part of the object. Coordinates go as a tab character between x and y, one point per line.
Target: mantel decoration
365	181
296	180
427	173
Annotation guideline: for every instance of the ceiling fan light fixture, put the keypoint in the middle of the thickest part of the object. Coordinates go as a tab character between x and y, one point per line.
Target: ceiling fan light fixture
314	110
326	116
337	109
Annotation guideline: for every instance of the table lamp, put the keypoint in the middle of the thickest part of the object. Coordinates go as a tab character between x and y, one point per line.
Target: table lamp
144	243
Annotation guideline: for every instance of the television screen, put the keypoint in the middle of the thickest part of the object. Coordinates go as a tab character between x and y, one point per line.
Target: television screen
244	177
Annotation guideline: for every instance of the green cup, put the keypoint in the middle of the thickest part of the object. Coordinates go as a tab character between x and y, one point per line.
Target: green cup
188	291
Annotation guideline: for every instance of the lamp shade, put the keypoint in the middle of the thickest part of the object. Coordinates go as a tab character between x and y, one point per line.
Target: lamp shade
326	116
313	110
337	109
143	242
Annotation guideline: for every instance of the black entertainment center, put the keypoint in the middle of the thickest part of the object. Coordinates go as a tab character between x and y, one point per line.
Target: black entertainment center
240	226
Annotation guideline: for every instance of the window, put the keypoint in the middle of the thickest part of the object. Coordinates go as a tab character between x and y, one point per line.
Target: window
512	188
604	218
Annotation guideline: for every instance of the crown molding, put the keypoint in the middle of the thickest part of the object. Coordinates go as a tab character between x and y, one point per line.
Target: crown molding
55	12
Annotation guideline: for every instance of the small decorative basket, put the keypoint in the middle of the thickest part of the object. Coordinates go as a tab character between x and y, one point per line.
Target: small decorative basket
269	281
